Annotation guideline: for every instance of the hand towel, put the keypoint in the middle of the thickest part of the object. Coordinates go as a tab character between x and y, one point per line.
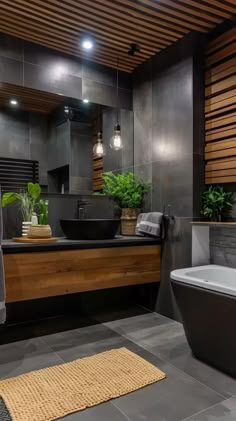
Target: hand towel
149	224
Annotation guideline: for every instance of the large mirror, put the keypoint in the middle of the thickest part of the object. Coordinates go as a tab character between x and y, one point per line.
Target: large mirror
50	138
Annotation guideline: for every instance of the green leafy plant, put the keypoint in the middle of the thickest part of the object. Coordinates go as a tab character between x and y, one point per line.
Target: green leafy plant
43	212
26	200
215	201
127	189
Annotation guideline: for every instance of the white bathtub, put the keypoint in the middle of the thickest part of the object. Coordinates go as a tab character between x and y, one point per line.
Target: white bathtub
206	298
217	278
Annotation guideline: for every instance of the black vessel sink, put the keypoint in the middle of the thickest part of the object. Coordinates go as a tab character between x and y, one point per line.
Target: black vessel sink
90	229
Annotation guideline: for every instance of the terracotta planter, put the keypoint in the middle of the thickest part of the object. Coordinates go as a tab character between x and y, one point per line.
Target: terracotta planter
129	220
39	231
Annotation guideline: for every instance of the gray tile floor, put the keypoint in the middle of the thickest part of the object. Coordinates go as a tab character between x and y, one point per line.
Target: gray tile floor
192	390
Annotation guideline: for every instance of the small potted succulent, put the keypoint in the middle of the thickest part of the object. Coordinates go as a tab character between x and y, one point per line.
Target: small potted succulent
26	201
42	229
128	190
215	202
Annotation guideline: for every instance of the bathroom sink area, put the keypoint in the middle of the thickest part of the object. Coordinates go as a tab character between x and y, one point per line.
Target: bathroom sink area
89	229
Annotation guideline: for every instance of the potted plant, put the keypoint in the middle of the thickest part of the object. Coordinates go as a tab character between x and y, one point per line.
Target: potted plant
42	229
26	200
128	190
215	201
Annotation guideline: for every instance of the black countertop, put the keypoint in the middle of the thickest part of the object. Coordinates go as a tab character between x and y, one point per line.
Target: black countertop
9	246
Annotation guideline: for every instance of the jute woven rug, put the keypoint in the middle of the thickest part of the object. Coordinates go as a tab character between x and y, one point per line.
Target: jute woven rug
54	392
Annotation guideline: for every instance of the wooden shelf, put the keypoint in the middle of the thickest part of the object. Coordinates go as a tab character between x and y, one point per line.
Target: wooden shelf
215	224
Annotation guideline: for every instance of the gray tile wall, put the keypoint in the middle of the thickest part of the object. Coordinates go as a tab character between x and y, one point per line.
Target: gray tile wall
168	147
81	158
118	160
223	246
59	144
33	66
24	136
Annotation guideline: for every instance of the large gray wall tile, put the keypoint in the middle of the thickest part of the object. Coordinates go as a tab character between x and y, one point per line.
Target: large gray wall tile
176	254
142	103
145	172
173	112
11	47
105	75
52	79
11	71
122	159
168	105
14	134
106	94
52	60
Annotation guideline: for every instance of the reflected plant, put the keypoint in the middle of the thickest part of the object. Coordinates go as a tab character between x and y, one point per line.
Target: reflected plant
26	200
43	212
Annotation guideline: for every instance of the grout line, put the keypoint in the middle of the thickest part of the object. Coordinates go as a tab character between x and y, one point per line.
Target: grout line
204	410
49	347
172	365
118	409
189	375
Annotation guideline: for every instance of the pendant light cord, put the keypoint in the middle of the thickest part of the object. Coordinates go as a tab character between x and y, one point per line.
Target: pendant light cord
117	89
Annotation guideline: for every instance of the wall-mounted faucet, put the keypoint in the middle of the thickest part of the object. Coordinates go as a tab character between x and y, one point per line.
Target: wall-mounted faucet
81	208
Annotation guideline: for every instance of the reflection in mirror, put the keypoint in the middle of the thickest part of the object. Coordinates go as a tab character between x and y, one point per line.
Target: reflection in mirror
49	138
60	133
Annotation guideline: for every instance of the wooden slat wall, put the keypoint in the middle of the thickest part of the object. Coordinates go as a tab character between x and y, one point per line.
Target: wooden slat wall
115	24
220	109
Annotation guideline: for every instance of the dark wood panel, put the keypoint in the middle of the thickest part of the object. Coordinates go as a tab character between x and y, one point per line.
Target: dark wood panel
222	54
221	133
220	180
115	25
227	83
221	121
47	274
221	164
30	99
220	109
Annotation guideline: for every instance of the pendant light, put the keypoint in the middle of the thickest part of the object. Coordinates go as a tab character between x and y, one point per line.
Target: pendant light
116	141
99	149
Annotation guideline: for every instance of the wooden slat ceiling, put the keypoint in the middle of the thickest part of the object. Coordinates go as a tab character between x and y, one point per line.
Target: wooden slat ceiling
29	99
152	24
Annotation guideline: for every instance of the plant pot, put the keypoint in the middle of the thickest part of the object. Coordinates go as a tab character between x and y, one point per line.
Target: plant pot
40	231
216	218
25	228
129	220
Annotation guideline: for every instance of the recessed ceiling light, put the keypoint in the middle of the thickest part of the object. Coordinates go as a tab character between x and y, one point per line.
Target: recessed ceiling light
85	100
13	101
87	43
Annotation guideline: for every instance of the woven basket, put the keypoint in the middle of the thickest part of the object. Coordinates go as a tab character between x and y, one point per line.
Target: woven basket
129	220
39	231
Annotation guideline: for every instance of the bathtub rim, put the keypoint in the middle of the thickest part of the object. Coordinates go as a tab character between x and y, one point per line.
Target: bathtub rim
180	276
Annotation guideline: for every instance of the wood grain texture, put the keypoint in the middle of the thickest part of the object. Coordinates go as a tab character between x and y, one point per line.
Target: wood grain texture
30	99
115	25
46	274
220	109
